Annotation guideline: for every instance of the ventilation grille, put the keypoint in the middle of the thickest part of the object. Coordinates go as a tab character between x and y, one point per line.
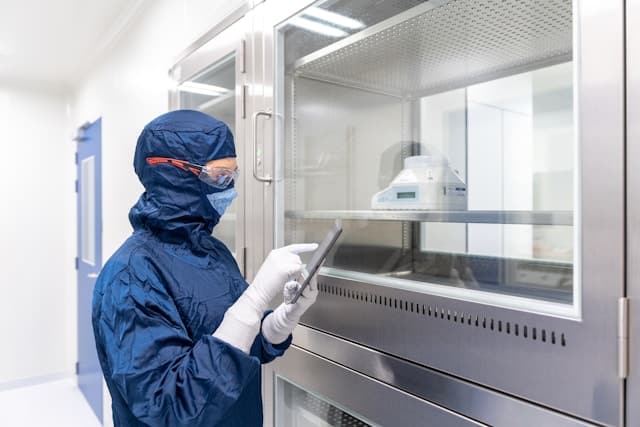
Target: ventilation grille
441	45
442	313
326	413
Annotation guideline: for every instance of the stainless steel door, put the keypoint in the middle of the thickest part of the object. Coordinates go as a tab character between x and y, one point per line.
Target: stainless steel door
260	154
212	78
554	345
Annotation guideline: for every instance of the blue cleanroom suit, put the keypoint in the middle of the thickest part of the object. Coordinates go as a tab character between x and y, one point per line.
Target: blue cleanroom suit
164	292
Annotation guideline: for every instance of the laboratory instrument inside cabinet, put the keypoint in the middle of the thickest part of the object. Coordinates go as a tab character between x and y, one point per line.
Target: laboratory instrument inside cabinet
425	182
443	134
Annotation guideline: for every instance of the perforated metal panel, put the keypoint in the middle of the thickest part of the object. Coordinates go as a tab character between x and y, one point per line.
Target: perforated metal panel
371	13
301	408
329	413
445	44
432	312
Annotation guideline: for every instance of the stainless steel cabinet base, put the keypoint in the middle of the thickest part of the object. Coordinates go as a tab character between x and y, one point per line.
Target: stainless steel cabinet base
389	391
359	400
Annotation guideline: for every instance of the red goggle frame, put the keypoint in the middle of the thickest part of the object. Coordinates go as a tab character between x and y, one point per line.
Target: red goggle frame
182	164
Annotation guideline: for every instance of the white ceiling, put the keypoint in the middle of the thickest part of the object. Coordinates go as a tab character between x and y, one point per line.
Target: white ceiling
55	42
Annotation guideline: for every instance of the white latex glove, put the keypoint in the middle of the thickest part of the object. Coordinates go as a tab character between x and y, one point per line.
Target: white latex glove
277	326
241	322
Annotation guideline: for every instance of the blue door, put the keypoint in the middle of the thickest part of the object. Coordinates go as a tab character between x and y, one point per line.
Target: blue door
89	258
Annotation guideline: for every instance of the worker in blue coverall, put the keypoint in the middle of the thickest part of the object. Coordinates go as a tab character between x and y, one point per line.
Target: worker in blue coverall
179	333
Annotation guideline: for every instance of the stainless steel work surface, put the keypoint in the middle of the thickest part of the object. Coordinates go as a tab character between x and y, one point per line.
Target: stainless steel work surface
465	217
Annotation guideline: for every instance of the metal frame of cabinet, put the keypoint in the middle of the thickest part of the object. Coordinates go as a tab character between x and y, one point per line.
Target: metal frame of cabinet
235	35
565	371
629	336
541	357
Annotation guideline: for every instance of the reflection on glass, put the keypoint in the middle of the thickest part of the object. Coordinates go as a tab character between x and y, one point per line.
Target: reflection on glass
213	92
88	210
447	149
296	407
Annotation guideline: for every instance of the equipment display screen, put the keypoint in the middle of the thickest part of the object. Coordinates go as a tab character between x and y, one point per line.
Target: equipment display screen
406	195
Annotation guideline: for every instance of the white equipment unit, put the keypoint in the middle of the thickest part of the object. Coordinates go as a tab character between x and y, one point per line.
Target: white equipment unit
425	183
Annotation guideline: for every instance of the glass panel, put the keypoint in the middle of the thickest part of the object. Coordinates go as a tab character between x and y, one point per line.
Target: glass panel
88	210
443	134
296	407
213	92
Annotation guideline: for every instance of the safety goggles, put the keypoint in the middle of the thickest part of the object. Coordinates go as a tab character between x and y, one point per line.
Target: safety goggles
214	176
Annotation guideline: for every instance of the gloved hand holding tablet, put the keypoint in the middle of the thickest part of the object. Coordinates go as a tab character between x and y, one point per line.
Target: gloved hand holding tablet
314	264
279	324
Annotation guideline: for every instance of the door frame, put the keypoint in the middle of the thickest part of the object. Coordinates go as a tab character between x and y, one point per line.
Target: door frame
89	376
557	374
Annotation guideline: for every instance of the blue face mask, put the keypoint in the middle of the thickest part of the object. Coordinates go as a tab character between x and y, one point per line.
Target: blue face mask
222	199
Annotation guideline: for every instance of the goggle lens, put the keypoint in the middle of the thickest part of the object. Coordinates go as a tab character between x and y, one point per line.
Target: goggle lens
218	177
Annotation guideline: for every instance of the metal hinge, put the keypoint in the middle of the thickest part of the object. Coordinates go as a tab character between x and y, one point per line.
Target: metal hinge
80	135
76	184
243	101
77	262
623	337
243	56
244	262
76	157
77	368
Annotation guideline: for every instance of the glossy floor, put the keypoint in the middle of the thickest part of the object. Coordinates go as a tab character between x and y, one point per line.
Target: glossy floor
52	404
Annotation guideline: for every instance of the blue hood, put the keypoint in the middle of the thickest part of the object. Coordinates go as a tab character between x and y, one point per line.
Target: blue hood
174	205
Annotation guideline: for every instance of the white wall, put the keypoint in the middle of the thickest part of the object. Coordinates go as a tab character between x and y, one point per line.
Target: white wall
128	88
38	235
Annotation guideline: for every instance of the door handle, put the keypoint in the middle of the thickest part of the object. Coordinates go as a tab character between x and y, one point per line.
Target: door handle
255	116
92	275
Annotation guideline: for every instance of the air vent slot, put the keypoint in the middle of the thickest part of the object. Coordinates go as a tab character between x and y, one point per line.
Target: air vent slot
473	320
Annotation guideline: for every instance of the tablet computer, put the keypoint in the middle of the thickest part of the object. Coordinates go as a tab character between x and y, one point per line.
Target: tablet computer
318	257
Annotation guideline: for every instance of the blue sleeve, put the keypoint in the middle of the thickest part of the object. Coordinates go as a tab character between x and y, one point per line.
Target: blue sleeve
166	378
264	350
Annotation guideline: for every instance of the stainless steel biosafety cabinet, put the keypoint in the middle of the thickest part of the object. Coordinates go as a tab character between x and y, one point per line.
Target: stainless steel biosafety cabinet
482	155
